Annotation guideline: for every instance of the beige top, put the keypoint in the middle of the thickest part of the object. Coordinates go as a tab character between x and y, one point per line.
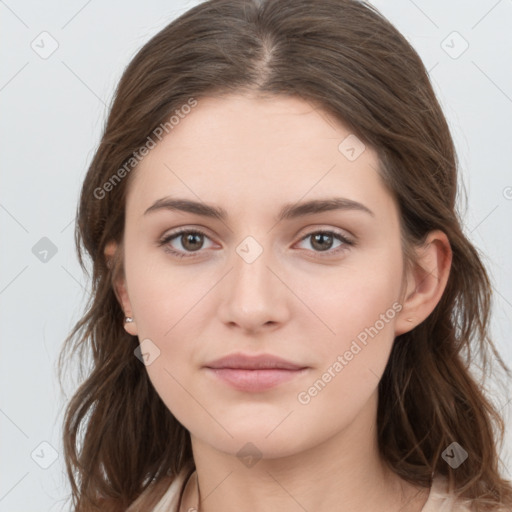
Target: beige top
438	500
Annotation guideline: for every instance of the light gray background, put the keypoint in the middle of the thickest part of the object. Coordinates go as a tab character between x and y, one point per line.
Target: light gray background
53	110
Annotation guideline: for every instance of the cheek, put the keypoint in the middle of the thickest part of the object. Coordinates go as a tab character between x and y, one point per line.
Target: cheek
164	296
357	307
354	301
167	304
353	358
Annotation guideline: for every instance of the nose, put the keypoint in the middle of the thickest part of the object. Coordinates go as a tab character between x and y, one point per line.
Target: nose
253	294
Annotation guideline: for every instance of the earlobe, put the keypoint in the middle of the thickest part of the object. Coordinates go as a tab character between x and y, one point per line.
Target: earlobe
426	282
119	286
130	326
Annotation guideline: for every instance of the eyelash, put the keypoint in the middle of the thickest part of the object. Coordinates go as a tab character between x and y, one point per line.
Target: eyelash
346	242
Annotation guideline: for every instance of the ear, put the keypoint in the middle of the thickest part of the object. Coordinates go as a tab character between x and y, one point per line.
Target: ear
426	282
113	257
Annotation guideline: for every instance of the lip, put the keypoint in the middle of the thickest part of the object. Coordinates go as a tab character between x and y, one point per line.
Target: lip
255	380
254	362
254	373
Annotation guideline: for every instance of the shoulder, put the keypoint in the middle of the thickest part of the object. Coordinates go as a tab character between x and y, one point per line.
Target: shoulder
441	499
163	495
174	488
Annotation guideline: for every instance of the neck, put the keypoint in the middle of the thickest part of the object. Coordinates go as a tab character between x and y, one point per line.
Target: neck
343	473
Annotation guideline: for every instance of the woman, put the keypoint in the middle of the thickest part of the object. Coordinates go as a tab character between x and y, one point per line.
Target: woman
284	301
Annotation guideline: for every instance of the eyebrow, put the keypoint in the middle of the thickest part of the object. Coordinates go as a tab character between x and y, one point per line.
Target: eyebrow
287	212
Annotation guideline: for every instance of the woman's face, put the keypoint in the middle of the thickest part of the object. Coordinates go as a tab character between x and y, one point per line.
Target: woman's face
259	281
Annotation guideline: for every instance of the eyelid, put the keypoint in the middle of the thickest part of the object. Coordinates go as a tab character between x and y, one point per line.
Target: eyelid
186	229
324	228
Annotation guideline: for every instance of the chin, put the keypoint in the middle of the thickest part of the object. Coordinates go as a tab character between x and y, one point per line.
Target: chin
256	442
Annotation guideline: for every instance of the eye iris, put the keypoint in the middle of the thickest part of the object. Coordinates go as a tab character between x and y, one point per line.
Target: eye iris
190	238
319	237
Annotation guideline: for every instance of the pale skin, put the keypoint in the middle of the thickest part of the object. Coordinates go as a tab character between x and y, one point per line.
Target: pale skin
251	156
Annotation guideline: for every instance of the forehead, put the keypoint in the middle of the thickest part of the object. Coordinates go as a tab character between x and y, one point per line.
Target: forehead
254	126
250	151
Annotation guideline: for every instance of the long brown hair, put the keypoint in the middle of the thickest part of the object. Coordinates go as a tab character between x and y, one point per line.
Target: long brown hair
122	445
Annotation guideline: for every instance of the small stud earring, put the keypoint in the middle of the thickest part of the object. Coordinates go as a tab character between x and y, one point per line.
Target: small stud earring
128	319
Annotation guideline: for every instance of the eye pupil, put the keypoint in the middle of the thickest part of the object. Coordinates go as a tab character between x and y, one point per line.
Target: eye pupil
319	237
189	239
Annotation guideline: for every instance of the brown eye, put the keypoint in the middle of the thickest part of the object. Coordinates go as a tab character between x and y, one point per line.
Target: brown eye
322	241
184	243
192	241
